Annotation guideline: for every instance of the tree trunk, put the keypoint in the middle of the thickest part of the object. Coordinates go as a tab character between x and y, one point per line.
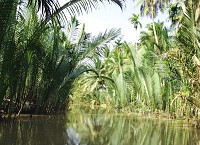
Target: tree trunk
154	28
154	31
136	38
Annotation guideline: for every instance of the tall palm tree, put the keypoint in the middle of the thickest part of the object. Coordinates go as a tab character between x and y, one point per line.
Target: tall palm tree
157	60
136	23
151	8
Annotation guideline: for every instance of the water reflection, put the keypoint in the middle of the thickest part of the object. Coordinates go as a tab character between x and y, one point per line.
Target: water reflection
41	130
99	128
114	129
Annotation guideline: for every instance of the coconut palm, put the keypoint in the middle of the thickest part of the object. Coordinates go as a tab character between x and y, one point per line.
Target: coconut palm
107	82
175	14
135	21
177	11
151	8
157	58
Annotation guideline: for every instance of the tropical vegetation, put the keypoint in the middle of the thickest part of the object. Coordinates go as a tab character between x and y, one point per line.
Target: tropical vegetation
42	53
157	74
49	62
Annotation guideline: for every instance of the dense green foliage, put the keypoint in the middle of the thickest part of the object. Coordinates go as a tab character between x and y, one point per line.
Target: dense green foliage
43	64
39	58
158	73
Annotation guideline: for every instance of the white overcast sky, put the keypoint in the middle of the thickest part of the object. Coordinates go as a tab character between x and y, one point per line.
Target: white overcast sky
111	16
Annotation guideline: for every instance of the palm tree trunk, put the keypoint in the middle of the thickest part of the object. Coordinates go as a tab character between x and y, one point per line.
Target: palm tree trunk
154	31
154	28
136	37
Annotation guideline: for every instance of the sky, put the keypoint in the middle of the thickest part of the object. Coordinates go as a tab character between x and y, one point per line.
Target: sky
111	16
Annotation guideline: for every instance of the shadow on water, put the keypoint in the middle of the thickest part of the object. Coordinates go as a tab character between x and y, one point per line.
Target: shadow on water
99	128
39	130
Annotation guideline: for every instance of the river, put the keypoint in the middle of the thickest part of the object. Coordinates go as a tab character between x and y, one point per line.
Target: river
97	128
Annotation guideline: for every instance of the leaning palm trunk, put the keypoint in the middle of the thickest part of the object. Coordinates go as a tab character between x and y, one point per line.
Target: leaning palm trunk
154	31
154	28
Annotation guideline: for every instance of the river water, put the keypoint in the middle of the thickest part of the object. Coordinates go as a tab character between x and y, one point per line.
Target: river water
97	128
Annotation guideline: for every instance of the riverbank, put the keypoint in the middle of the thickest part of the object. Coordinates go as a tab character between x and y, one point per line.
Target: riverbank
145	114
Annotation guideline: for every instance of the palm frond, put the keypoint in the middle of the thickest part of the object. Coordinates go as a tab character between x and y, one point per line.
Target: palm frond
47	7
95	46
7	18
80	6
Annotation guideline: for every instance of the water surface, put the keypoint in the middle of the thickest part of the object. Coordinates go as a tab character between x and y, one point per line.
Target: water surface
99	128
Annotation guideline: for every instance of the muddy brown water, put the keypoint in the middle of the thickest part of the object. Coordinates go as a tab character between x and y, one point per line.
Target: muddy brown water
97	128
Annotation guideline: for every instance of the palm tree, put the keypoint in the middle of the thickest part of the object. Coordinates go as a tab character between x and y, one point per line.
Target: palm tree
175	14
157	58
135	21
179	9
151	8
97	82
